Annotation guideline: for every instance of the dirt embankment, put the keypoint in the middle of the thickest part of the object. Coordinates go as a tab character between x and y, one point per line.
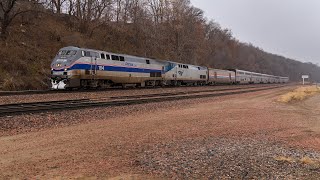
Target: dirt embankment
239	136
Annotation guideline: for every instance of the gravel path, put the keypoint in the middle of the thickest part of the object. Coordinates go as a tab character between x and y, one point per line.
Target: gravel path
222	158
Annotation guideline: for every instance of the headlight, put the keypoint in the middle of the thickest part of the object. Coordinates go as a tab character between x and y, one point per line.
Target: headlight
65	69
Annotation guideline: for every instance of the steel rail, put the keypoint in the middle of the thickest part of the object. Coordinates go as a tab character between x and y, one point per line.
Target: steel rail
87	103
34	92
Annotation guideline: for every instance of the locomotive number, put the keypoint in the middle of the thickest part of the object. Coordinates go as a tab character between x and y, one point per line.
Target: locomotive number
101	68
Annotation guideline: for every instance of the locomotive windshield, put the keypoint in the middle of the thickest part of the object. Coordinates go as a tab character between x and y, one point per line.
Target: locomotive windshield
67	53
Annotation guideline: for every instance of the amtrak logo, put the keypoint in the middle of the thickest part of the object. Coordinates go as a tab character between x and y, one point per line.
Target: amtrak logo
180	73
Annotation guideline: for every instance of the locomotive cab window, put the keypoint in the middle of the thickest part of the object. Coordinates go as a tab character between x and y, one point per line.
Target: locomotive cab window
71	53
67	53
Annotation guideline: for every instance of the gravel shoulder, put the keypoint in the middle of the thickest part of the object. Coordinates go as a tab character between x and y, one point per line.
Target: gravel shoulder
238	136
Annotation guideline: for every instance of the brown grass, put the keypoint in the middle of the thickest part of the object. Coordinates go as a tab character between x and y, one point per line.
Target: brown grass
309	161
299	94
304	160
284	159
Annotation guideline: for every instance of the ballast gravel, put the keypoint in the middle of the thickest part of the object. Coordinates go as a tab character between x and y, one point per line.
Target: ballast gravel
223	158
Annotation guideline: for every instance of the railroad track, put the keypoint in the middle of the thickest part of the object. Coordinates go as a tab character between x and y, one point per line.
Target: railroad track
186	92
36	107
34	92
134	96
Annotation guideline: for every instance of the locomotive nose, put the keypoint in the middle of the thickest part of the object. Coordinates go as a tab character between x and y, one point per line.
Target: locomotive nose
60	65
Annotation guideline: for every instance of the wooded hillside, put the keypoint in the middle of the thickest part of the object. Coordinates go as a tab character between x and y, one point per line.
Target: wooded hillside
32	31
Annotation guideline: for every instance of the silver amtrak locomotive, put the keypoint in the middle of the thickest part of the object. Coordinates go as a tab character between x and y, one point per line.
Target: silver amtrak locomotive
75	67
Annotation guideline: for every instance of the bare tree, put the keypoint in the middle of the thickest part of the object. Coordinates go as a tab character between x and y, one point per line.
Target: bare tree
118	9
58	4
9	10
70	7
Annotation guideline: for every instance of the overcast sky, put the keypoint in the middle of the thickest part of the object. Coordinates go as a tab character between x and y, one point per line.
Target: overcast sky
286	27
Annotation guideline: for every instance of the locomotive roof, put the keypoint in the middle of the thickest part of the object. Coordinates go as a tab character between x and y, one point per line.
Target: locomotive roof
130	56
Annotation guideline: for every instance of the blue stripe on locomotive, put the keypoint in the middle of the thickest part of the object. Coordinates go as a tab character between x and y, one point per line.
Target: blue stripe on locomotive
111	68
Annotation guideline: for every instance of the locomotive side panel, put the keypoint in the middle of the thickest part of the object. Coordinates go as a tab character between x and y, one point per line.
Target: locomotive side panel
101	67
177	74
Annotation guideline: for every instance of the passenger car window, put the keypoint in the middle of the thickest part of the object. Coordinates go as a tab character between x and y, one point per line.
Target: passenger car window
121	58
103	56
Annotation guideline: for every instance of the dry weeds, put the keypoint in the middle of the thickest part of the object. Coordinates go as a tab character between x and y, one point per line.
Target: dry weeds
284	159
303	160
299	94
309	161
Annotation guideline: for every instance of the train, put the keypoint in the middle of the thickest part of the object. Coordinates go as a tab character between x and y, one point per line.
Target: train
76	68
